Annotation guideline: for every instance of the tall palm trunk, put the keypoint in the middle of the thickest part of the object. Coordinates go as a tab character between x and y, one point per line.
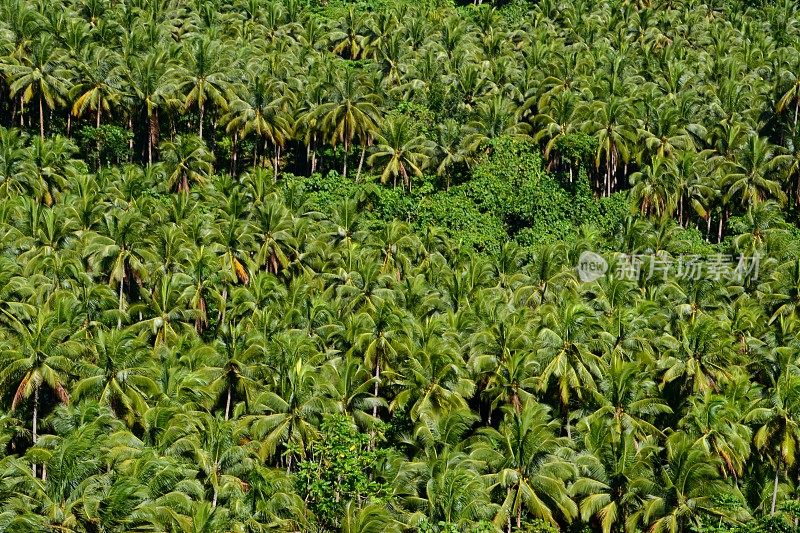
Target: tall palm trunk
314	153
228	404
234	152
277	155
361	161
775	486
35	421
202	114
152	135
346	149
377	381
130	140
119	318
41	116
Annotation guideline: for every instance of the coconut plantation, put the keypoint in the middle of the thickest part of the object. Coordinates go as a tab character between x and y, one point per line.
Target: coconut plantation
375	266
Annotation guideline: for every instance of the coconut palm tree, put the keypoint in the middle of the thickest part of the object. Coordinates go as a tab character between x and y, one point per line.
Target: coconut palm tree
526	458
122	379
204	78
615	473
101	84
752	176
400	152
684	488
187	160
778	433
350	114
38	357
40	75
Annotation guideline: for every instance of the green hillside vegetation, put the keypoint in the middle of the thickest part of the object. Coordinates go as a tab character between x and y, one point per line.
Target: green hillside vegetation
271	265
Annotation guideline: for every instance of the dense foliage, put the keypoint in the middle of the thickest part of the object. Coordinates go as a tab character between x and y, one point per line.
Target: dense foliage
284	266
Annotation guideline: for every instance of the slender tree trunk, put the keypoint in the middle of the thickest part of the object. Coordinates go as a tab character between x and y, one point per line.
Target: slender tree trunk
361	161
314	153
130	141
775	486
228	404
35	421
346	149
214	499
119	318
377	381
152	135
234	152
41	117
221	314
99	110
202	114
508	518
275	164
69	123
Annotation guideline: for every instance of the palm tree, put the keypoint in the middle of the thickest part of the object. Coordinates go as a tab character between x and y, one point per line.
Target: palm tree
655	188
261	111
288	417
698	355
627	402
203	77
100	88
39	353
433	382
778	435
611	126
567	344
214	446
449	148
350	114
791	96
41	75
400	151
381	338
48	166
275	223
122	379
752	174
615	472
526	458
683	491
152	85
188	162
494	117
368	519
120	252
233	370
350	37
716	422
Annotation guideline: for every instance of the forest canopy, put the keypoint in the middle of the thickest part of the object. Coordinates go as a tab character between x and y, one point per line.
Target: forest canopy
436	267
